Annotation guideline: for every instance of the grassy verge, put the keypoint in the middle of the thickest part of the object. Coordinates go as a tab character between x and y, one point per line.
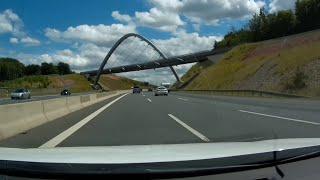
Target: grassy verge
287	65
222	75
51	84
111	82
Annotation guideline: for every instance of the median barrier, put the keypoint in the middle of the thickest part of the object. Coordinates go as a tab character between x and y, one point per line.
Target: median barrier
20	117
74	103
55	108
93	99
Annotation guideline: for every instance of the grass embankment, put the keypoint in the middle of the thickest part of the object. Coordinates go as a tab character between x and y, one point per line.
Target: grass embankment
51	84
290	65
110	82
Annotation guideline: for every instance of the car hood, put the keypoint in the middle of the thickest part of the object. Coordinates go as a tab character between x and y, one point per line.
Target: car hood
152	153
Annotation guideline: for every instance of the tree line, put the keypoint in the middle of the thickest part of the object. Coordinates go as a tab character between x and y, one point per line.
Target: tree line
264	26
11	69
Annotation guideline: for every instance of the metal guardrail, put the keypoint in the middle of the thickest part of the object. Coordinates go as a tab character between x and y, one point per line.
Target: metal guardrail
254	93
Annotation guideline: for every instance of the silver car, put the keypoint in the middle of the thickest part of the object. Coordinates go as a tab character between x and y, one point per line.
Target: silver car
161	90
21	94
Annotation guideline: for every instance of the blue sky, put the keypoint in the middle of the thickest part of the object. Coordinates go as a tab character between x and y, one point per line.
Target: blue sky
80	32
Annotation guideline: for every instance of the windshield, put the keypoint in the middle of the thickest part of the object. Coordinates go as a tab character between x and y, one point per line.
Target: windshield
19	91
158	73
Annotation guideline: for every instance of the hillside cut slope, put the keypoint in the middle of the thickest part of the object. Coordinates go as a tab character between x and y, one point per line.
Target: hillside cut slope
48	84
111	82
290	64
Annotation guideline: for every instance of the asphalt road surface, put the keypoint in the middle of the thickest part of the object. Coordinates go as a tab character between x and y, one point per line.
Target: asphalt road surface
144	119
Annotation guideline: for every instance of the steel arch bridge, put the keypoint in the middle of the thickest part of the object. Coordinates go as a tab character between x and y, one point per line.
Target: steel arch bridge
116	45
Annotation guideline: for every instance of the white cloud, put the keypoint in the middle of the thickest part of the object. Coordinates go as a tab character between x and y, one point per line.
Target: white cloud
14	40
158	19
10	23
99	34
30	41
156	76
53	34
167	15
86	57
121	17
277	5
163	16
184	43
168	5
210	12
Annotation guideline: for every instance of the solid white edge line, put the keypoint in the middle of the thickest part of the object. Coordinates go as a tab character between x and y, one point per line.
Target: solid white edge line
193	131
65	134
279	117
149	100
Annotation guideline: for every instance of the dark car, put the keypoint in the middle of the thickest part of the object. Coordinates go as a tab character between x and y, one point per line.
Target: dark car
136	89
150	89
65	92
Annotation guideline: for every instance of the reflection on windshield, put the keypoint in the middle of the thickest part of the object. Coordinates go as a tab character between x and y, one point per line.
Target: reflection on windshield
145	74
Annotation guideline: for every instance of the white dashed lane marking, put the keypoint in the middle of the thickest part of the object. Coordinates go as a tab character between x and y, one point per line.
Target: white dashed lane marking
193	131
279	117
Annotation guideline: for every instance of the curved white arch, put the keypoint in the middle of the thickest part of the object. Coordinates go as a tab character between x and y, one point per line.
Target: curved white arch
115	46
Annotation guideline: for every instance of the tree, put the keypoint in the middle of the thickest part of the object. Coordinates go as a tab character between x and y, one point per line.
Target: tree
215	44
10	69
48	68
255	27
281	24
308	14
63	68
263	26
33	69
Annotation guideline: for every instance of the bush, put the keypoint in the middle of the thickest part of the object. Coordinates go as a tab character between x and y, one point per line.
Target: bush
28	82
298	81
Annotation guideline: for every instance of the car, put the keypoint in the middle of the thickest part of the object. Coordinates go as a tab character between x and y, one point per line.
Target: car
136	90
21	94
150	90
65	92
161	90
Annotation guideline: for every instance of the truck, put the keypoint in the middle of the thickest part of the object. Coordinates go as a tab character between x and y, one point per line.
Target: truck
167	85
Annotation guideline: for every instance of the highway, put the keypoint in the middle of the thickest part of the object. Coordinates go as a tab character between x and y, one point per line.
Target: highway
144	119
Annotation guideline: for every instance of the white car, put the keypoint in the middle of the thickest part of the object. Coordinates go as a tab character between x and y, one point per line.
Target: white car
161	90
21	94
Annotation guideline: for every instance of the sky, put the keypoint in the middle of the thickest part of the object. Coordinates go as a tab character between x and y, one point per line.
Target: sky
81	32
